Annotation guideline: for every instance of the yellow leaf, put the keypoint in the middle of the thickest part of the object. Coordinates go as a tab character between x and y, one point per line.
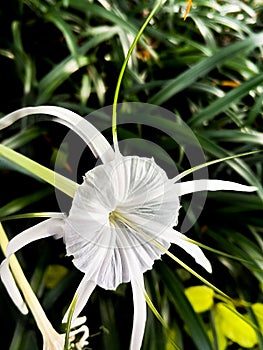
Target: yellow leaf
54	274
258	311
234	327
221	340
200	297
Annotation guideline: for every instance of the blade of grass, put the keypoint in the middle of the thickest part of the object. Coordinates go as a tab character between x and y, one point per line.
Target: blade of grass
243	136
56	18
23	137
244	248
96	10
193	322
62	183
203	67
22	202
49	83
221	104
237	164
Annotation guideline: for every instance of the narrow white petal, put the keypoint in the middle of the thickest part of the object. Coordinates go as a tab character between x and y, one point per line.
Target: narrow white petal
191	248
47	228
139	314
83	293
11	287
93	138
139	303
44	229
183	188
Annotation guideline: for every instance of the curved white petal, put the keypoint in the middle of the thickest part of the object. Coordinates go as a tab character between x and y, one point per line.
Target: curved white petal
47	228
82	294
191	248
186	187
10	285
139	302
139	313
50	227
93	138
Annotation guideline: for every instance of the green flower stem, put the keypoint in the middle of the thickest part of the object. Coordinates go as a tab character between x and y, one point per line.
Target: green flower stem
117	90
68	325
40	317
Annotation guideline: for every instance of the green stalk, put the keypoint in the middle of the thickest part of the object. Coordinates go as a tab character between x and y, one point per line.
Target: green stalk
68	325
117	90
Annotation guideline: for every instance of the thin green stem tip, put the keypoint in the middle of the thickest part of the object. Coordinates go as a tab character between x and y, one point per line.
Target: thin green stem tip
117	90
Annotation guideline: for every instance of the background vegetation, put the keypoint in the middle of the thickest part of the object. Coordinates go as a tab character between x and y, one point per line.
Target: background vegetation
208	71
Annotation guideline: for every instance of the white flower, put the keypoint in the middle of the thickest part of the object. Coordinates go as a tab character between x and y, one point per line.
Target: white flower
121	215
55	341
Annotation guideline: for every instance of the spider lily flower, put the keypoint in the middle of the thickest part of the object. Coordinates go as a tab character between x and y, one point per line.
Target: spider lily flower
121	220
55	341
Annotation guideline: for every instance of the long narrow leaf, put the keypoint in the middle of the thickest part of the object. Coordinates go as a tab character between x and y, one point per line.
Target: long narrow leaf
237	164
20	203
190	76
192	321
64	69
62	183
65	28
224	102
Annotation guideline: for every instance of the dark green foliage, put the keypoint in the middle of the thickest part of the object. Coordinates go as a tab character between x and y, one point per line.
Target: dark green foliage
208	70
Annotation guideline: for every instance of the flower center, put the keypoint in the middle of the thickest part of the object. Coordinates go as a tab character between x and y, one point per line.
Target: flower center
112	217
115	216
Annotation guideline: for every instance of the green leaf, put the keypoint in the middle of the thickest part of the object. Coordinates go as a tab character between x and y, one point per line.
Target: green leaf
187	78
234	136
21	202
57	19
118	18
237	164
49	83
57	76
192	321
170	343
256	314
221	104
24	64
23	137
110	336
